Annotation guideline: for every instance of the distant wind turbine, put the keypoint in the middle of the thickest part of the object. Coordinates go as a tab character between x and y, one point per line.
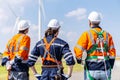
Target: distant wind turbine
14	14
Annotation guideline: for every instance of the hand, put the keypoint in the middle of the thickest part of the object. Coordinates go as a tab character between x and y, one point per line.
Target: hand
8	66
38	76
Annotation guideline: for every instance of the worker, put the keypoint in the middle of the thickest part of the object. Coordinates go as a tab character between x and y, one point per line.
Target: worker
51	49
99	48
16	53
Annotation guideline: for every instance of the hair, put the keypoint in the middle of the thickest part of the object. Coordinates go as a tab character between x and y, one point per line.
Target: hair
51	31
22	31
95	23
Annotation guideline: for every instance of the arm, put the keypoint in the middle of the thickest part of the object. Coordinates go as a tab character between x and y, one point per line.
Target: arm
70	69
80	47
112	52
33	70
35	73
5	58
68	56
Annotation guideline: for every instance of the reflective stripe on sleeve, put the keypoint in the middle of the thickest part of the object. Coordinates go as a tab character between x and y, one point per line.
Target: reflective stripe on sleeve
67	54
33	56
68	57
24	48
111	47
33	59
80	47
40	45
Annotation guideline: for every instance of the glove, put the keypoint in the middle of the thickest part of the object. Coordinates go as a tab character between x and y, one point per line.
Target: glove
79	61
38	76
66	76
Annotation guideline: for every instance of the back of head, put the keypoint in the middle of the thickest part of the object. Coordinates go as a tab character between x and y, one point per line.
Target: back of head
23	25
53	27
95	17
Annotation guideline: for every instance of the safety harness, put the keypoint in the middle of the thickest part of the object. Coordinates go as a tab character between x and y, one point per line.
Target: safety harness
101	46
47	56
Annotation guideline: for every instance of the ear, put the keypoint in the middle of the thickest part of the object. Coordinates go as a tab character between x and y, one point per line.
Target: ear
90	23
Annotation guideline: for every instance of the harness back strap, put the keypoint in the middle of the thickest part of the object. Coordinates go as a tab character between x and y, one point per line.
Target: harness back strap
94	47
47	55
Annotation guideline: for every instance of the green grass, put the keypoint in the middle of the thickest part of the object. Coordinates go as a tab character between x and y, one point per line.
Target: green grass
3	72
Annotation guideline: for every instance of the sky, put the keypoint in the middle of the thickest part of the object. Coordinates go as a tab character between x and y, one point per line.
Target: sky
72	14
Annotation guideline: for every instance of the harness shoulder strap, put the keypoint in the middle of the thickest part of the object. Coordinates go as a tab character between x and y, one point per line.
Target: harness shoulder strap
95	44
47	45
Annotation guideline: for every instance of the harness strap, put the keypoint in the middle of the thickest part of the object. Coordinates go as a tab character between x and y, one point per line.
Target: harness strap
94	47
47	55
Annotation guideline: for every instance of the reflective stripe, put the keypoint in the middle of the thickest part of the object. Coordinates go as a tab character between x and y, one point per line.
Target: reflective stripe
80	47
32	59
68	57
24	48
91	37
67	54
40	45
18	43
24	61
107	38
54	44
112	57
94	60
57	44
111	47
33	56
98	57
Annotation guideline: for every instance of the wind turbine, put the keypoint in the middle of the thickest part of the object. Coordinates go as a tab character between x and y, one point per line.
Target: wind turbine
14	14
41	12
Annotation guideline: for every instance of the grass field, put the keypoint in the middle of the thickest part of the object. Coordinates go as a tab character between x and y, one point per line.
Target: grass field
3	72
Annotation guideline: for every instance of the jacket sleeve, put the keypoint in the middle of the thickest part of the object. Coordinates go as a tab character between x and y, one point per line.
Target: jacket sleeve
111	51
33	56
24	48
6	54
68	56
80	47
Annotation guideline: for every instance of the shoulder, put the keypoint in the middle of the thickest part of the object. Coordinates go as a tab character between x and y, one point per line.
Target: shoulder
25	37
59	40
40	43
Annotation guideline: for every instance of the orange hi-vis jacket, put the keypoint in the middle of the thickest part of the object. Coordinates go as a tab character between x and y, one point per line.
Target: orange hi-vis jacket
18	46
86	42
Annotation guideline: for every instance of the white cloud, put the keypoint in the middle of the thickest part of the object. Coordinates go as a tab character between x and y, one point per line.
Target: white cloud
79	13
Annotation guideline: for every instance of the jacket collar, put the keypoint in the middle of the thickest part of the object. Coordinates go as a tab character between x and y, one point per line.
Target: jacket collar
96	27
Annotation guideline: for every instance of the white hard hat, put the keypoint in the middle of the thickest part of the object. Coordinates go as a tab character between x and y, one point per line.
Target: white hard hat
53	24
94	16
23	24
